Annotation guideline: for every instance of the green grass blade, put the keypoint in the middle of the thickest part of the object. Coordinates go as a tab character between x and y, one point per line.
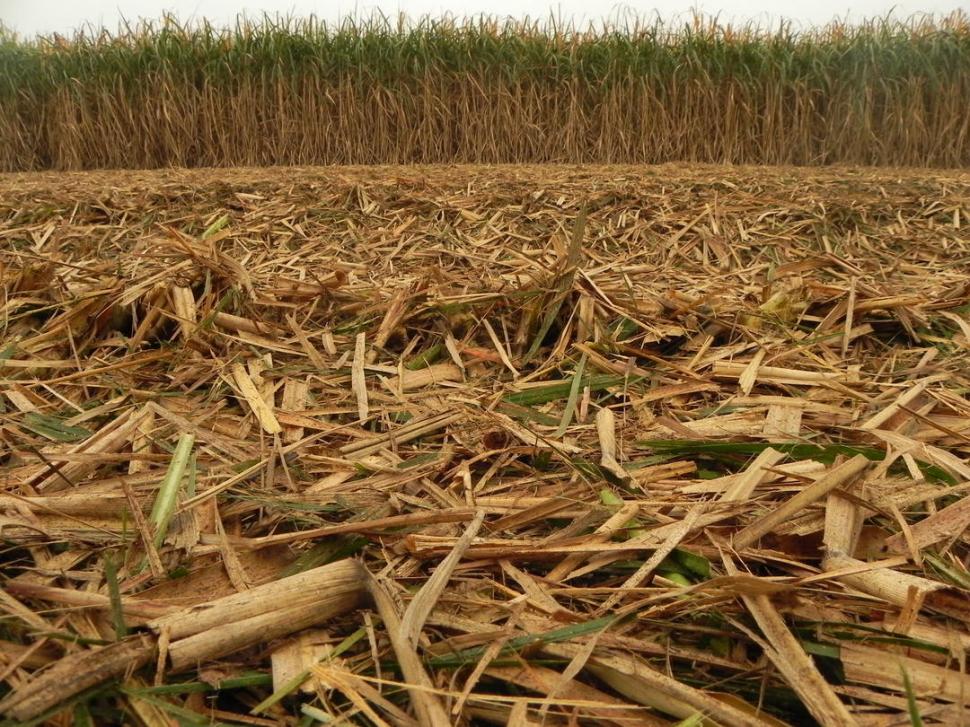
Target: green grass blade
574	388
912	707
167	497
297	680
567	633
797	450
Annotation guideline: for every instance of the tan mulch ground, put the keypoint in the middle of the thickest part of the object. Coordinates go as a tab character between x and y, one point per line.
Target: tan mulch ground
514	445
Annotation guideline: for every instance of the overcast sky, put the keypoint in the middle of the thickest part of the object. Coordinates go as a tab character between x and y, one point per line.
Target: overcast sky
47	16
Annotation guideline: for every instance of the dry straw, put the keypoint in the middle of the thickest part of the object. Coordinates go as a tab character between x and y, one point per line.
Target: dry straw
531	445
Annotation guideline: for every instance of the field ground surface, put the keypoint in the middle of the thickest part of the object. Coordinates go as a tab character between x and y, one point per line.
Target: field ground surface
492	445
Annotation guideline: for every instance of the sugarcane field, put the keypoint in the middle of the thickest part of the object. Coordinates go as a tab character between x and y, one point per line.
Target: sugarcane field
405	418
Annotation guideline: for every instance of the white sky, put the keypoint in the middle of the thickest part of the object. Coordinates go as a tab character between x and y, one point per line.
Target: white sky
47	16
